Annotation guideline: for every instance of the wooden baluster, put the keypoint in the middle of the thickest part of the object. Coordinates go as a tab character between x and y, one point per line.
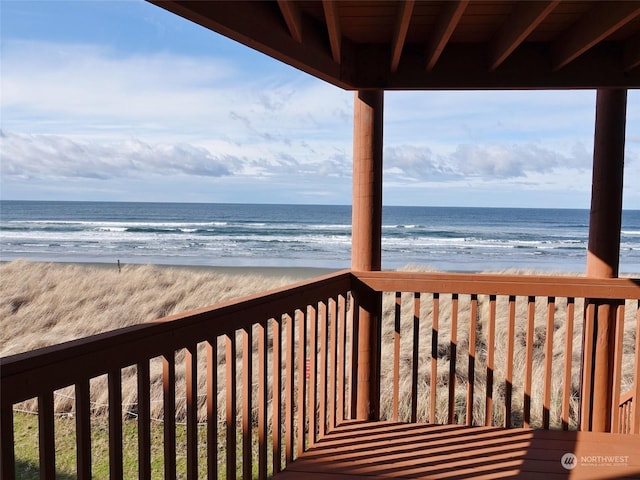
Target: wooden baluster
453	353
414	363
115	425
262	399
144	421
46	434
433	390
276	395
548	363
396	357
491	347
247	384
288	388
169	399
528	372
333	362
508	380
7	451
83	429
473	325
617	367
231	396
324	371
342	362
301	318
212	409
191	364
568	360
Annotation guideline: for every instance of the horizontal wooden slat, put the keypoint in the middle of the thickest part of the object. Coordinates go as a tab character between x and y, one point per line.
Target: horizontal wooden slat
488	284
396	450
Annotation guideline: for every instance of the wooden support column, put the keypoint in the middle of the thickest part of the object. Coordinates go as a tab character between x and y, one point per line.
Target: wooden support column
367	244
603	256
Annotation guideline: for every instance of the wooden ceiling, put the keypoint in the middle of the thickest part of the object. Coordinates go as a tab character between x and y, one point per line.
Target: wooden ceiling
427	45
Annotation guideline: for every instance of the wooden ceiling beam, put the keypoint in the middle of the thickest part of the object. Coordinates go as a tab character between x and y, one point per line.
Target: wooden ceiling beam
293	18
400	32
333	28
596	25
631	53
443	29
523	20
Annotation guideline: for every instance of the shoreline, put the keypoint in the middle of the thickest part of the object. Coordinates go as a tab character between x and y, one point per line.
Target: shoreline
296	273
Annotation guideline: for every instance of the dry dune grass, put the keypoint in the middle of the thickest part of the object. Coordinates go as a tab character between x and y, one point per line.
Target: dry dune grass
46	303
42	304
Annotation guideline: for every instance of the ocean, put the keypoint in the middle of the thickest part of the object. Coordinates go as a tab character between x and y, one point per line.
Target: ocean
443	238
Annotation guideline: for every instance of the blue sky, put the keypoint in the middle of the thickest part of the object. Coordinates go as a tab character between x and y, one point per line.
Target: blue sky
122	101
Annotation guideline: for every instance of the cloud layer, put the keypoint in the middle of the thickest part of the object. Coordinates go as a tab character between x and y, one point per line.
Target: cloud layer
74	111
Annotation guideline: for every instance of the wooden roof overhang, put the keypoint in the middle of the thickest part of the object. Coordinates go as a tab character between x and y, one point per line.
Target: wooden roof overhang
438	45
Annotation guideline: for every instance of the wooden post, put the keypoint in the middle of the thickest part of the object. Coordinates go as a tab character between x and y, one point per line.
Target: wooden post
603	255
367	243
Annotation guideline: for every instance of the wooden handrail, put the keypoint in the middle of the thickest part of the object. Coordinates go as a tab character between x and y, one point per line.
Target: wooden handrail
546	300
498	284
26	374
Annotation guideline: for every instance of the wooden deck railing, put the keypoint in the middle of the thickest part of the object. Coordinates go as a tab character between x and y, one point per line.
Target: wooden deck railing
268	375
503	349
255	372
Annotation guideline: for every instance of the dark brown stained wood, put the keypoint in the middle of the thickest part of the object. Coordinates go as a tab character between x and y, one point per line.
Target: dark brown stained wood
473	322
144	421
521	23
453	354
600	22
548	360
415	356
169	414
491	345
288	388
191	380
46	436
434	355
324	379
405	9
115	425
396	356
276	375
508	377
212	408
587	367
312	374
443	30
231	396
83	430
568	358
528	365
420	451
301	405
292	17
431	44
247	385
631	53
635	427
617	368
332	392
263	399
333	28
7	452
60	365
603	255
